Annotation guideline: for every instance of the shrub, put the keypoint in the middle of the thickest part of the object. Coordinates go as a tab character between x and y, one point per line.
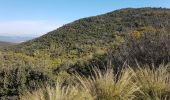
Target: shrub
15	80
153	47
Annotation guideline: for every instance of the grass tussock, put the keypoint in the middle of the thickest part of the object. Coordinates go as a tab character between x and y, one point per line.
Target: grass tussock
129	84
106	85
59	92
154	83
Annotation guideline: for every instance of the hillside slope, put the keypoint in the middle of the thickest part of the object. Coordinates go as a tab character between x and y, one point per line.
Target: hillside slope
133	36
83	39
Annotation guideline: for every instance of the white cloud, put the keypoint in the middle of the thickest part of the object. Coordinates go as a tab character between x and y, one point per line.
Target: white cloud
36	28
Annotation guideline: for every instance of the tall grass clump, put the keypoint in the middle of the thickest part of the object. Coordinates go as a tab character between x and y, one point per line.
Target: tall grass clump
154	83
108	86
141	83
59	92
102	85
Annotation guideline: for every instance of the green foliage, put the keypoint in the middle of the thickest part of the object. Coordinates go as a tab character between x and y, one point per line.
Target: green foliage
16	80
94	35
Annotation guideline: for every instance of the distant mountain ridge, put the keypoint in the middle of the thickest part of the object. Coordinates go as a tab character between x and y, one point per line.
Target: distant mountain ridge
6	44
15	39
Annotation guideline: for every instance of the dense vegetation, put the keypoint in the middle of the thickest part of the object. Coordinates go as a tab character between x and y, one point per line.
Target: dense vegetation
132	36
83	39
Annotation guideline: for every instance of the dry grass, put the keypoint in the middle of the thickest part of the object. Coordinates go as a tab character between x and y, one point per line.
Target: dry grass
106	85
59	92
154	83
139	84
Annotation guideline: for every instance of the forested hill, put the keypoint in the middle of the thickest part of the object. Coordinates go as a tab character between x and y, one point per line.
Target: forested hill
83	39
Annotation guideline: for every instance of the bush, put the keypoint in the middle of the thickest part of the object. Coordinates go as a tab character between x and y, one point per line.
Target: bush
16	80
153	47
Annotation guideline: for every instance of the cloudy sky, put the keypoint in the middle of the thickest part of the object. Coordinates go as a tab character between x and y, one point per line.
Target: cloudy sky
37	17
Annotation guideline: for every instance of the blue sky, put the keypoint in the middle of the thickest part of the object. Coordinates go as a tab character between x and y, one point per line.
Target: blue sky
37	17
